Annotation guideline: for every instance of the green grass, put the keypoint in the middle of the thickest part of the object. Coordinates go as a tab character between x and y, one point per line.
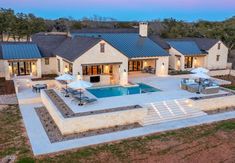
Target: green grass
11	134
231	87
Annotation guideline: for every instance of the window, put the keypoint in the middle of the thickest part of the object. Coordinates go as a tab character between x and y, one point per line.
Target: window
97	69
217	58
219	44
47	61
58	62
188	62
102	47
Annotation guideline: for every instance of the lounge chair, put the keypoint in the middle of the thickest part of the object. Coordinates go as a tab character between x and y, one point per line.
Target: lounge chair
77	99
88	101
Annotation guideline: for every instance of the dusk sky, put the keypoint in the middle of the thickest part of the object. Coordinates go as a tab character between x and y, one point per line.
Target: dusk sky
188	10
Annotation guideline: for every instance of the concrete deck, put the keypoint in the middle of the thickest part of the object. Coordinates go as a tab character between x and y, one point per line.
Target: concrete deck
170	90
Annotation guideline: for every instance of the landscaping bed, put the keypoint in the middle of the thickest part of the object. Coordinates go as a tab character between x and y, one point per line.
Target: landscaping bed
55	135
228	78
6	87
179	72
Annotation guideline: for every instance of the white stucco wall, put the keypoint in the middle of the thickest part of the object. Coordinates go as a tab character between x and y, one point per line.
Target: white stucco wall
2	69
51	68
211	62
111	55
173	59
162	65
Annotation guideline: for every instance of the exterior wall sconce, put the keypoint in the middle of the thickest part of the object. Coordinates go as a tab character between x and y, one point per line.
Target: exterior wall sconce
124	70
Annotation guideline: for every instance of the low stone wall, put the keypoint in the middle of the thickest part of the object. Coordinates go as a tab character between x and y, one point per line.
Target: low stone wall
94	121
232	72
215	103
8	99
219	72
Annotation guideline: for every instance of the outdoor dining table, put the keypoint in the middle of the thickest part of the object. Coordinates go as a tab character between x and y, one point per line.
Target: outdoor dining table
38	87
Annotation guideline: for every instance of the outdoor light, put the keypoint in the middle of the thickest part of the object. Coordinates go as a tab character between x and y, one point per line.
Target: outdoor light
124	70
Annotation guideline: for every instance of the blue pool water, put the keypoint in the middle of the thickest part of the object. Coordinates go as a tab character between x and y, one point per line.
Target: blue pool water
120	91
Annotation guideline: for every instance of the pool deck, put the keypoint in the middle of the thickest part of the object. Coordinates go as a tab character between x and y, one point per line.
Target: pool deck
169	86
170	90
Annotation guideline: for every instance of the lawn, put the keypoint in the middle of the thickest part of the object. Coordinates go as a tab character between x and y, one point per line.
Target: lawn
206	143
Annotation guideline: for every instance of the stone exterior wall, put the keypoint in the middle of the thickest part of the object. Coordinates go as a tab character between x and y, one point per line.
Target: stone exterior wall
111	55
92	122
211	62
215	103
51	68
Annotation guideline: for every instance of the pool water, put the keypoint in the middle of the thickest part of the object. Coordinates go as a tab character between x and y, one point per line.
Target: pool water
120	91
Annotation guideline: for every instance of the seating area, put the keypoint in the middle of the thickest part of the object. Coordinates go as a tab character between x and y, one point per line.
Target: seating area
204	86
149	69
77	96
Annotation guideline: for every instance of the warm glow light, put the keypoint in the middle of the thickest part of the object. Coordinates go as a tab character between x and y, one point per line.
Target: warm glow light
66	69
106	69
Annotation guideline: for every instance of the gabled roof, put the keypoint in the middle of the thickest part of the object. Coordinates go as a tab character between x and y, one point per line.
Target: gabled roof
19	50
161	42
130	44
186	47
0	51
106	30
72	48
205	43
47	43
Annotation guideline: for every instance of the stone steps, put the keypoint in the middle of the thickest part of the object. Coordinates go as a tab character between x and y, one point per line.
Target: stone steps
170	110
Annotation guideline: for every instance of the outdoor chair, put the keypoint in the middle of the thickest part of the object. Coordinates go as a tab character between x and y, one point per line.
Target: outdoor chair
88	101
193	88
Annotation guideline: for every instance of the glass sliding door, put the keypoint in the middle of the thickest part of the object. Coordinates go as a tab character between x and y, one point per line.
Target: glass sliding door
135	65
188	62
21	67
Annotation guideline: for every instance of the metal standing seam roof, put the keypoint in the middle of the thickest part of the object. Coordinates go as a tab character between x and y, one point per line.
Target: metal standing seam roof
20	51
72	48
186	47
130	44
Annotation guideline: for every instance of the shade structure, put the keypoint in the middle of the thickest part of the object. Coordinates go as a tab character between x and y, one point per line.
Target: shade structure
201	75
79	84
65	77
200	70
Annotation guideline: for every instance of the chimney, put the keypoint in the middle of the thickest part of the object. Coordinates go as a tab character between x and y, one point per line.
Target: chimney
143	29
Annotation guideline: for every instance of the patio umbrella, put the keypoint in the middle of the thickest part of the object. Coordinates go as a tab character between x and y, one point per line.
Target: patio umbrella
200	70
201	75
79	84
66	78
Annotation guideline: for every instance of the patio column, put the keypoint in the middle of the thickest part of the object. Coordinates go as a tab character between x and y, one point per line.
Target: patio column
162	65
39	68
6	70
182	61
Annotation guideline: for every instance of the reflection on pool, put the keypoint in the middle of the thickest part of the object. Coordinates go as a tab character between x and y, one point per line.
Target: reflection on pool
120	91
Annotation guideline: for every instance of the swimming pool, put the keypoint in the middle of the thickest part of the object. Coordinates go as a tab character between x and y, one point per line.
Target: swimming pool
120	91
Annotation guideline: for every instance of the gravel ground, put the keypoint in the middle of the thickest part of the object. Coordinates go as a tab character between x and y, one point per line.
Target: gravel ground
55	135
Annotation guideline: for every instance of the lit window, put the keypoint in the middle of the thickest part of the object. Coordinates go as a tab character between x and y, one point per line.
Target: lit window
102	47
219	44
217	58
47	61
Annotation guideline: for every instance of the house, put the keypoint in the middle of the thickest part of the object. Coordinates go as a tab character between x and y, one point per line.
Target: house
190	53
107	57
102	58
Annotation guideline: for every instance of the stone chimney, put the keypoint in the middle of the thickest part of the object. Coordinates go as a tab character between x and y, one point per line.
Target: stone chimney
143	29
